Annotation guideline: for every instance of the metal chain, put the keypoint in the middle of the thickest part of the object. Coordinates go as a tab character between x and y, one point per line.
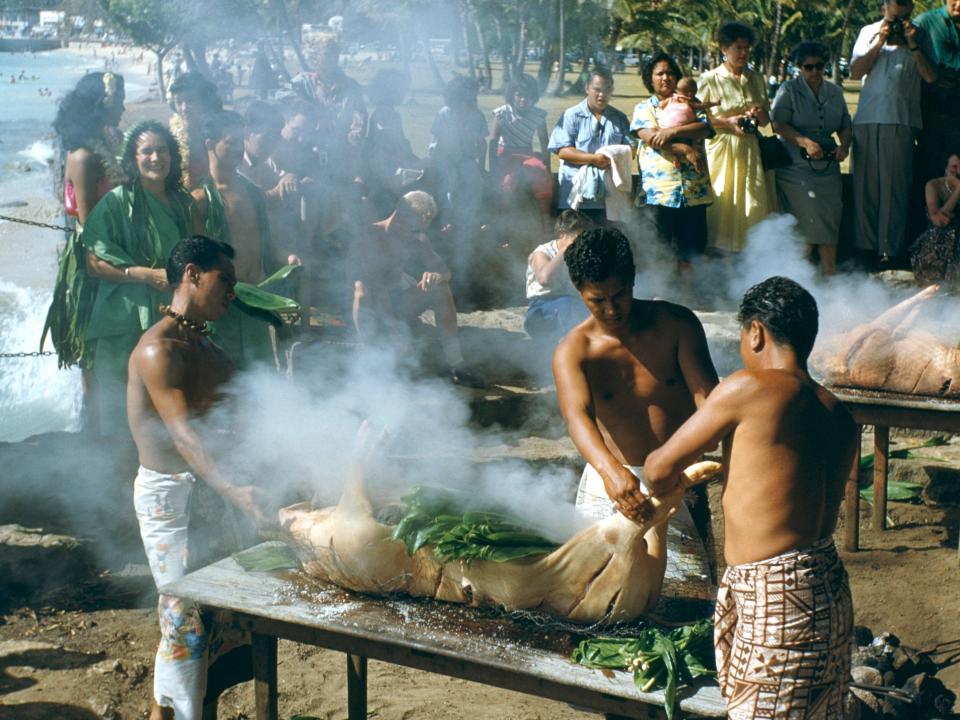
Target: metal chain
34	223
36	353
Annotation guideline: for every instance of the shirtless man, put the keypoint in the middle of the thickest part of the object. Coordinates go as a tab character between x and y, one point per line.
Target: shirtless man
232	209
175	372
396	275
784	615
627	378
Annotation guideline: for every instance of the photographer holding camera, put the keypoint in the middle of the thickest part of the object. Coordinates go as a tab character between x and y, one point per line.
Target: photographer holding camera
892	59
733	155
810	115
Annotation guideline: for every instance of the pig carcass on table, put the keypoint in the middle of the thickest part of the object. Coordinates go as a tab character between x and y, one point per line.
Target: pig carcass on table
608	572
890	354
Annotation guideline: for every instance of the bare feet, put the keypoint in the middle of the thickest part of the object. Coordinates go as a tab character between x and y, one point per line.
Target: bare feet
160	713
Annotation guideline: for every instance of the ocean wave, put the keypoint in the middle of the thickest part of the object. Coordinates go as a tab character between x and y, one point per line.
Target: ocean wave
41	151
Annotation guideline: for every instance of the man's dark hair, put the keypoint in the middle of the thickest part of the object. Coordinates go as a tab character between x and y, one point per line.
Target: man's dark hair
200	250
205	91
599	254
809	48
955	150
571	221
600	71
658	58
787	311
735	30
216	124
262	117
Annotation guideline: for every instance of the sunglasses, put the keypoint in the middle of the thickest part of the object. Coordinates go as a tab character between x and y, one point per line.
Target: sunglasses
810	67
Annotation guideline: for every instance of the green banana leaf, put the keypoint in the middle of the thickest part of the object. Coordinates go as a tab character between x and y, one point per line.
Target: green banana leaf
266	558
281	274
263	305
866	462
897	491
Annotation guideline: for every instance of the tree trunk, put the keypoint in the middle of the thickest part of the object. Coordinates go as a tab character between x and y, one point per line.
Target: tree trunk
841	51
485	51
521	50
434	70
558	88
161	53
549	47
774	63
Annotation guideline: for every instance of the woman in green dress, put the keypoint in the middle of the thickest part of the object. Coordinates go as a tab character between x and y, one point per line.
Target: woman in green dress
128	237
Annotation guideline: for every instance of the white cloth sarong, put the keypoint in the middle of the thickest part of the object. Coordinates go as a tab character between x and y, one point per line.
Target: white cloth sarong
688	566
162	503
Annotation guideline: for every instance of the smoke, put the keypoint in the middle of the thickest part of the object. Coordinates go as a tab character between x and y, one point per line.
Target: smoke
298	438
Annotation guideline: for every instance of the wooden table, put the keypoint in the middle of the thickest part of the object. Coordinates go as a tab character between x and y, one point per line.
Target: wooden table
884	411
481	646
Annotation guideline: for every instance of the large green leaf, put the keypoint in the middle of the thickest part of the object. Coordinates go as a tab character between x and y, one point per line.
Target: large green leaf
281	274
263	305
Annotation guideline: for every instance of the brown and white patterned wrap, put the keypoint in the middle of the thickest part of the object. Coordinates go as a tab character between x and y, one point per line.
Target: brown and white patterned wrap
783	633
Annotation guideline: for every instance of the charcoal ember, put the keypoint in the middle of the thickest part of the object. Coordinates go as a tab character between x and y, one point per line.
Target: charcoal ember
866	675
862	635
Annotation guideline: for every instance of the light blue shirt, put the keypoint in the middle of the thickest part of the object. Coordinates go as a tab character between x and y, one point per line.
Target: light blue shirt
578	128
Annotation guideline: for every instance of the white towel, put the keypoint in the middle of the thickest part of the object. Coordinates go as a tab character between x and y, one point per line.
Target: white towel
619	182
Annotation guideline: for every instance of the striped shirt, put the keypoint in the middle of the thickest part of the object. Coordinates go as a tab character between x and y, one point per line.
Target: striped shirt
517	131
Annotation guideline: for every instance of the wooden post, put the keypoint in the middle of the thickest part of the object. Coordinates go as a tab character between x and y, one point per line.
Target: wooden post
265	676
356	687
881	452
851	502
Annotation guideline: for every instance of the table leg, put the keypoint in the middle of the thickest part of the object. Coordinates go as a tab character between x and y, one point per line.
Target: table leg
356	687
265	676
851	502
881	450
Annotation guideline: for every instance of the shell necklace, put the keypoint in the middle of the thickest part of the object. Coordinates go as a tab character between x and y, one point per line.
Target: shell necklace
183	321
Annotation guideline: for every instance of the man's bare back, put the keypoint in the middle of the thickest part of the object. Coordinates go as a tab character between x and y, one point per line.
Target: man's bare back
788	463
637	386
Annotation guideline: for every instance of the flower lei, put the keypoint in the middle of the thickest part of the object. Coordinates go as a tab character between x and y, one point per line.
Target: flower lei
178	128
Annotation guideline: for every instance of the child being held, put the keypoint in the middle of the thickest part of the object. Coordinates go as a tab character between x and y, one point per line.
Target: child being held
682	107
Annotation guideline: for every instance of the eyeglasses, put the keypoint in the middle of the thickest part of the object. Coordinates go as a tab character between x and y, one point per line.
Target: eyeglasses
810	67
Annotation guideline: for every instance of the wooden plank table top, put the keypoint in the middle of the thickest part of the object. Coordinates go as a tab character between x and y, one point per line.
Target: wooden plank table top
485	646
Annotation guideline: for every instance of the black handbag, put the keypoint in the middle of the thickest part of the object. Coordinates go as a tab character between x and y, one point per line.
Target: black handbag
773	154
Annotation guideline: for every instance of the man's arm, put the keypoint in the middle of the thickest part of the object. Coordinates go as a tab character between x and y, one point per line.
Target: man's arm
694	359
922	50
865	54
576	407
162	374
715	420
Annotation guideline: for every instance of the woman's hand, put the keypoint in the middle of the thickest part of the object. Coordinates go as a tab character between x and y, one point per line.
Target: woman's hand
941	219
661	137
840	154
814	151
154	277
732	125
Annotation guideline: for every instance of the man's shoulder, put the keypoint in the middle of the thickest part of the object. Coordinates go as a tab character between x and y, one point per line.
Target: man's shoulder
930	19
671	314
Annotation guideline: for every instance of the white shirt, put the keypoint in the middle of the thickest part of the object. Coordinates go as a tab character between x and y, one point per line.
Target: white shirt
890	92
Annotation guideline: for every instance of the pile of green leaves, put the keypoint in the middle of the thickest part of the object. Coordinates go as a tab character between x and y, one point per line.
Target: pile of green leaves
432	517
658	660
901	490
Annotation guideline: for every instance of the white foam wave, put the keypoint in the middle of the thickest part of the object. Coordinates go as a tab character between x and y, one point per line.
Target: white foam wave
35	396
41	151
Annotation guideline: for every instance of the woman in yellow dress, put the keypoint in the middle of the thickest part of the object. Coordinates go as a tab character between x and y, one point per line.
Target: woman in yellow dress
736	173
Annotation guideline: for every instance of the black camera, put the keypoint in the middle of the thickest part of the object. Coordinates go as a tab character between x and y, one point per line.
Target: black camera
748	124
896	33
829	148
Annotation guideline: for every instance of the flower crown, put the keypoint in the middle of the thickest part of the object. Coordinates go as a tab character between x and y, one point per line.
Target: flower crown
109	89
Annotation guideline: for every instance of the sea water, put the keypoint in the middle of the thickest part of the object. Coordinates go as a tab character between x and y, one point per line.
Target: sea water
35	396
